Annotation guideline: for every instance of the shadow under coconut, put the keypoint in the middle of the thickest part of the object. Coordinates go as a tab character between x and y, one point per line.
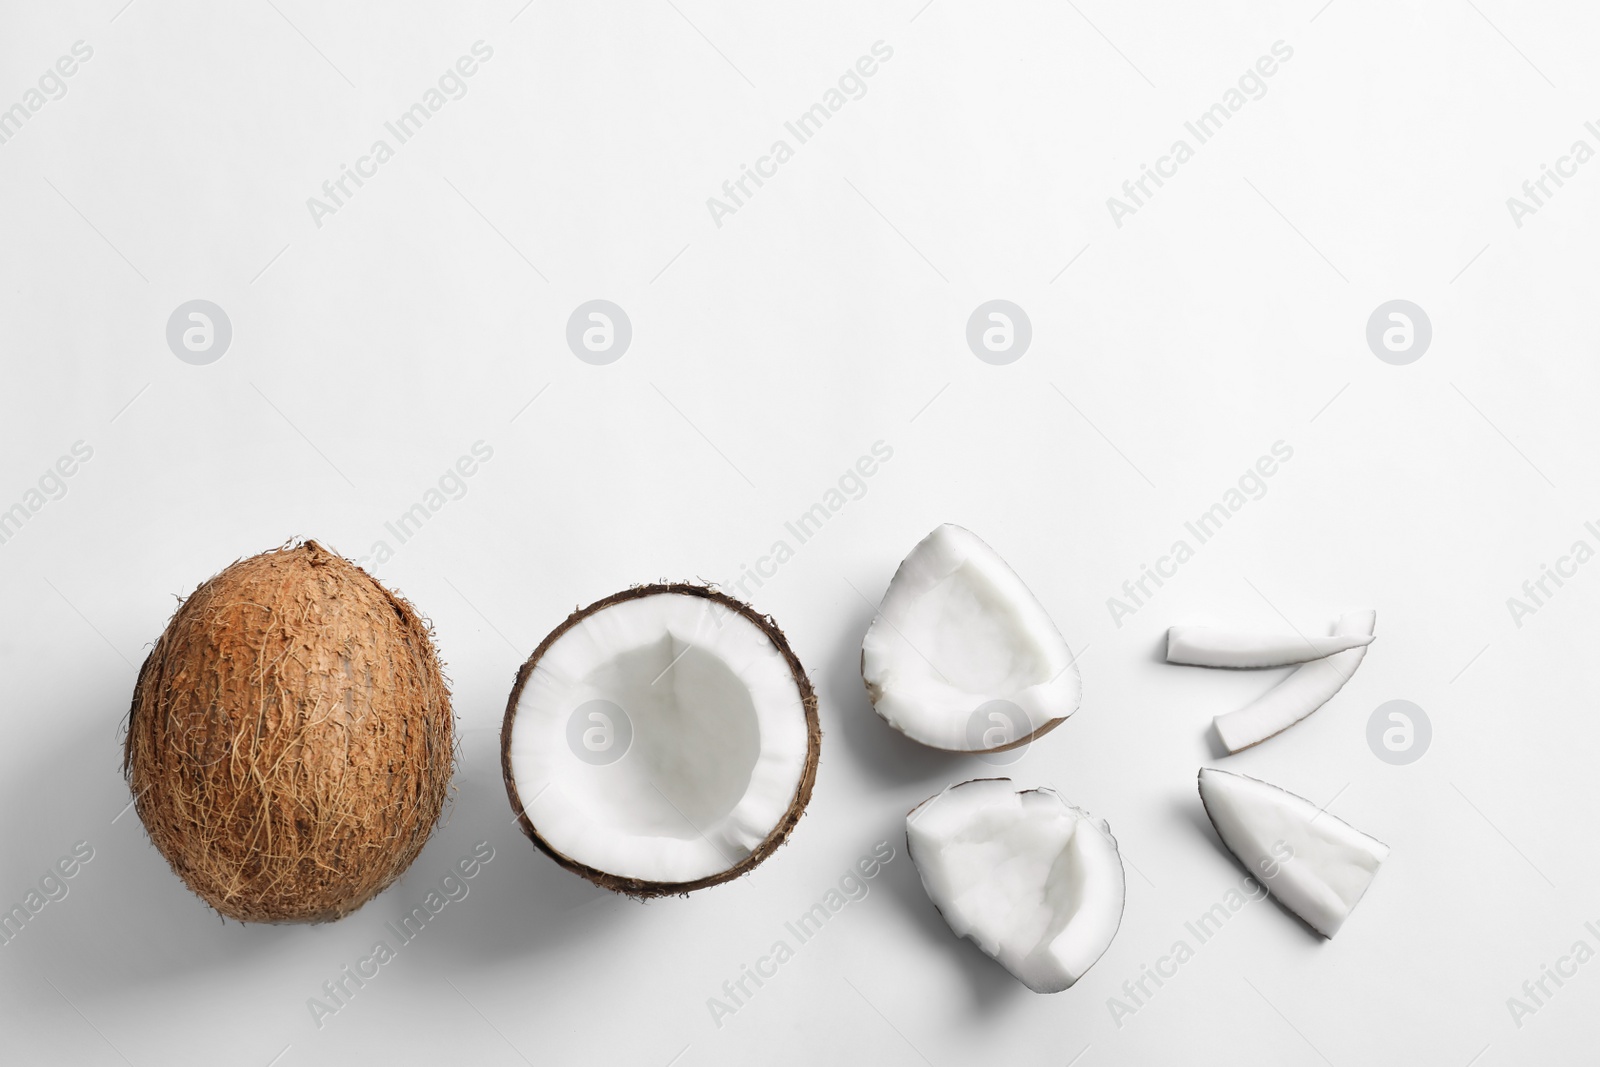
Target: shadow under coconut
1194	813
878	748
125	920
894	759
1158	654
1186	807
989	983
523	903
1219	750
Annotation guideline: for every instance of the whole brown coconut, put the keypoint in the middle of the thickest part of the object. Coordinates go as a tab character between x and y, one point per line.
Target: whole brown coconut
290	741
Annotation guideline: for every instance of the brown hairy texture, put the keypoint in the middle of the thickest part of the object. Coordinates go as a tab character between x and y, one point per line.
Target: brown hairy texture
290	741
634	887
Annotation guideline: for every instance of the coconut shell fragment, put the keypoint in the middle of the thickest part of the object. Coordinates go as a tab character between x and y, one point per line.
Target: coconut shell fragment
290	741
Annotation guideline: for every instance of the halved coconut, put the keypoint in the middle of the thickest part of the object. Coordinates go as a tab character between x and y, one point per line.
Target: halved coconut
1316	864
961	656
1029	879
661	740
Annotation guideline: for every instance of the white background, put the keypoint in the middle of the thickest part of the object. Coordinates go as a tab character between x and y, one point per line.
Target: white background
768	354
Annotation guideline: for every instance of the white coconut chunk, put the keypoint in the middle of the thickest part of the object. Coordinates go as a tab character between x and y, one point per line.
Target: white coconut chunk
961	656
1031	880
1205	646
660	739
1298	695
1316	864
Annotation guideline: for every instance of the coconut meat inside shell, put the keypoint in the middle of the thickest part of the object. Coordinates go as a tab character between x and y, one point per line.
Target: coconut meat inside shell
1316	864
1031	880
660	739
957	630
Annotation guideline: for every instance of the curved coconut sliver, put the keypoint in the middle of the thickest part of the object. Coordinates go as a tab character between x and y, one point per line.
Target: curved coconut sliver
1298	695
1205	646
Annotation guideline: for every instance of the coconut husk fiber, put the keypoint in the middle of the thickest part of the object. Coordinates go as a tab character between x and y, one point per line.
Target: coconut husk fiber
290	741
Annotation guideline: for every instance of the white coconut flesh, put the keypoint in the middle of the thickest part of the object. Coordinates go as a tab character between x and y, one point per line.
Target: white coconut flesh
957	632
1316	864
1298	695
1032	881
1203	646
717	750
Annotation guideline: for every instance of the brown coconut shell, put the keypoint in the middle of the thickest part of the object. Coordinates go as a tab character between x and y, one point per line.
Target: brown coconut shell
290	741
635	887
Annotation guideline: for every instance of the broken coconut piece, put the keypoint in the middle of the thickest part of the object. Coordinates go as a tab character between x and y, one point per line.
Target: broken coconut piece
661	740
1316	864
1029	879
961	656
1298	695
1203	646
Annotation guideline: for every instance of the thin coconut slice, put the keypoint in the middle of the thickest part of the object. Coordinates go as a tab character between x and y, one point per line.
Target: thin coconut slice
1298	695
961	656
1203	646
1031	880
661	740
1316	864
